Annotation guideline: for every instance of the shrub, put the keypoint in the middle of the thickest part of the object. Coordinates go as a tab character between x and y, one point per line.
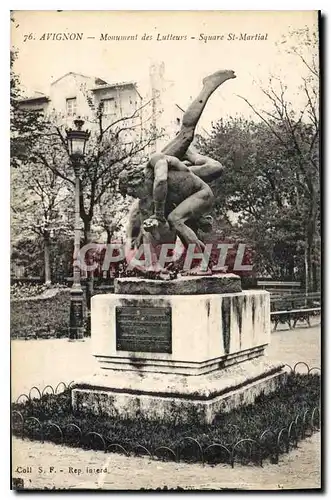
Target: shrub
26	290
39	316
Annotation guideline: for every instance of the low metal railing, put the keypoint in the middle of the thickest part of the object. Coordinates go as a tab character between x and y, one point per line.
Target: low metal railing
271	443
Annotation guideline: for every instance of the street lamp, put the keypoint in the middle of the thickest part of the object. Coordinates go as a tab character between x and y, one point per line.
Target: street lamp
76	140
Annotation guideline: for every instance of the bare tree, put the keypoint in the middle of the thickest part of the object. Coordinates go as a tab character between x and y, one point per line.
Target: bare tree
38	205
298	131
110	148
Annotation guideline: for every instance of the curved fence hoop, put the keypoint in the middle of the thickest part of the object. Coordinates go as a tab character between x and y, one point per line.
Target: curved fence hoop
305	423
236	431
34	419
290	427
281	432
189	438
117	445
36	388
166	448
290	367
271	445
312	417
143	448
313	368
267	431
300	425
58	385
20	396
19	414
51	424
75	426
70	384
46	387
247	440
296	420
96	434
304	415
300	363
218	445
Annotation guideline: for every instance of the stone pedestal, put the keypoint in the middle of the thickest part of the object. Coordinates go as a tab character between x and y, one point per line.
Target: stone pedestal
160	353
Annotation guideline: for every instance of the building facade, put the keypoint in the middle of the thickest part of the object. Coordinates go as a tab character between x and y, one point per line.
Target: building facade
74	95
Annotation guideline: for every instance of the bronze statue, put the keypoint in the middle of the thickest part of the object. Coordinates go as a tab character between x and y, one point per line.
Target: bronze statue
172	190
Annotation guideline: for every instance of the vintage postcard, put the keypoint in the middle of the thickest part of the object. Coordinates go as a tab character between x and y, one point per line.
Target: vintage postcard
165	250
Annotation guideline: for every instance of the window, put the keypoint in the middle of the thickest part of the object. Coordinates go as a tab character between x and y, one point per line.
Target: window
71	106
109	106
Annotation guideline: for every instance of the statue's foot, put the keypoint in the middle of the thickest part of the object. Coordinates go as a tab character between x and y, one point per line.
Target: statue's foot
197	271
164	275
219	77
151	224
158	271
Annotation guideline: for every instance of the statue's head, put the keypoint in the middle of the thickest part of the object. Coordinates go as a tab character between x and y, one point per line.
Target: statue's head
132	182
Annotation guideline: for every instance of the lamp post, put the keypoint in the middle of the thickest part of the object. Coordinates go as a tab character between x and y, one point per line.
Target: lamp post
76	140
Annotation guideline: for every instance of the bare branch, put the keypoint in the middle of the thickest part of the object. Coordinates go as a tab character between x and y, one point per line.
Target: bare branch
299	121
117	133
274	117
53	169
262	118
134	114
311	106
313	69
63	141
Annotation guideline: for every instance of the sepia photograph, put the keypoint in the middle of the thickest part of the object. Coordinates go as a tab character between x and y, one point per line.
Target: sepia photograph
165	250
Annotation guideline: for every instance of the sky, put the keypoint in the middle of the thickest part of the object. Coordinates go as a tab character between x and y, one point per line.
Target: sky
186	61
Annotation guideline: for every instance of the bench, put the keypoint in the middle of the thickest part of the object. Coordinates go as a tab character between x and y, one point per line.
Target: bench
286	302
280	286
295	315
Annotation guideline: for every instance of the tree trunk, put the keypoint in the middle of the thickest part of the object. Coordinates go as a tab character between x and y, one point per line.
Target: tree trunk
306	270
315	277
47	263
87	230
309	266
311	235
291	269
109	235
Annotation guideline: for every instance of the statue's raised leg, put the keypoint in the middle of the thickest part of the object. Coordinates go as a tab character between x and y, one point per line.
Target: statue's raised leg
179	145
204	167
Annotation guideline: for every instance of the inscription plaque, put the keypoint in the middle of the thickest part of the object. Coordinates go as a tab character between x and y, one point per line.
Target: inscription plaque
143	329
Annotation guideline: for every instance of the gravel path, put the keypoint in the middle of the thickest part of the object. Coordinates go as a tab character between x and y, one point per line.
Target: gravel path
298	469
55	360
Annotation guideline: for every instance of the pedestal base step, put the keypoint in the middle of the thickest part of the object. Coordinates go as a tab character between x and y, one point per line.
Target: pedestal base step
164	396
162	366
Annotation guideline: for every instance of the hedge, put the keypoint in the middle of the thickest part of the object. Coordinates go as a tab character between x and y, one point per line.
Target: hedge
43	316
264	429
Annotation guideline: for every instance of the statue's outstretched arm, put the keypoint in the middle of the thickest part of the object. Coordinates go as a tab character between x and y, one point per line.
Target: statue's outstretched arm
133	226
